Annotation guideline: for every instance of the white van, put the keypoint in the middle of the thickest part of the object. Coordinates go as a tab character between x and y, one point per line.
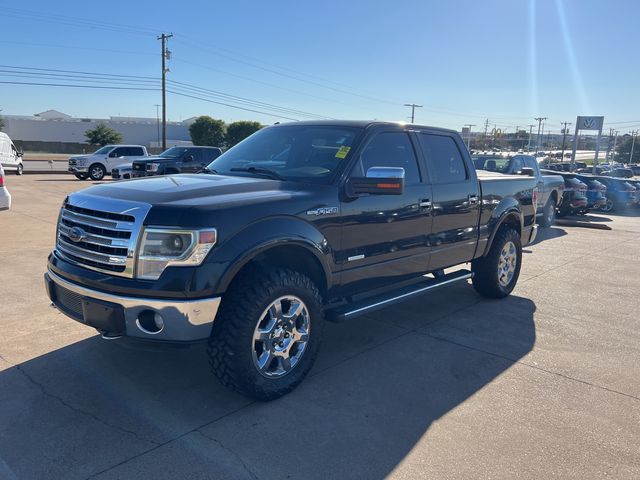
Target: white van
10	157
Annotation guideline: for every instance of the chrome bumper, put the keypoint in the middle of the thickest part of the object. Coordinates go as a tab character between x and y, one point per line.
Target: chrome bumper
183	320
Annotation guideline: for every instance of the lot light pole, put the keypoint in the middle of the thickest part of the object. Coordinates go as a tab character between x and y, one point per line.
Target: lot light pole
413	110
530	133
165	54
615	140
469	125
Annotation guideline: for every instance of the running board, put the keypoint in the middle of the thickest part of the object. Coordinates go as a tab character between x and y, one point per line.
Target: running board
346	312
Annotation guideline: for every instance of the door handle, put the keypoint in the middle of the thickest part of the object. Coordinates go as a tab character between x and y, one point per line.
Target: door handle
426	204
473	199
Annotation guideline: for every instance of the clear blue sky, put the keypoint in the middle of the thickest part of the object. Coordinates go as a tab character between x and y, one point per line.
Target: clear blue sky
506	60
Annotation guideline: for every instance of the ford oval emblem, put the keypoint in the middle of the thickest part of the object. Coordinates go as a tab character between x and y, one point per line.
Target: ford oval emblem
76	234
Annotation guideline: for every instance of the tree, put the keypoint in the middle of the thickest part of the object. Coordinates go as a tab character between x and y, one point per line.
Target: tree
238	131
103	135
207	131
623	150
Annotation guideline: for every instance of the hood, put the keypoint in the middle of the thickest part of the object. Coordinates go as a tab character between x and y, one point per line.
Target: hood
80	157
210	191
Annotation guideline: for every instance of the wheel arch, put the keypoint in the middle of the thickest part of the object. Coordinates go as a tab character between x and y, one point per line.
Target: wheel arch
509	217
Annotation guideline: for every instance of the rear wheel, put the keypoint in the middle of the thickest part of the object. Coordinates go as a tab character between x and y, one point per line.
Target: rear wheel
549	213
267	333
496	275
97	171
20	169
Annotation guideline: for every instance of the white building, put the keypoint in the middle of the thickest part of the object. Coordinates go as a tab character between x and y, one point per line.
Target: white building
55	126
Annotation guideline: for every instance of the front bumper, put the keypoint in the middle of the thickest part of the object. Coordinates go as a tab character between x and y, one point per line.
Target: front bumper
183	320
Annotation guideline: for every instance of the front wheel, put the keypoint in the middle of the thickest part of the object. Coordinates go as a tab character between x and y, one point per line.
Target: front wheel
496	274
267	333
549	213
20	169
97	171
607	207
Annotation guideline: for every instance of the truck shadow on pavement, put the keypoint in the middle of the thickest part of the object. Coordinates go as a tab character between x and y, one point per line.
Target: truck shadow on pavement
111	410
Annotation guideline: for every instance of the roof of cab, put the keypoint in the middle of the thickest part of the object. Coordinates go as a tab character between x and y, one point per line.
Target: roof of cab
362	124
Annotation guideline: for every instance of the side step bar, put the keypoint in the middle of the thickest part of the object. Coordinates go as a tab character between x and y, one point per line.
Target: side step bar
345	312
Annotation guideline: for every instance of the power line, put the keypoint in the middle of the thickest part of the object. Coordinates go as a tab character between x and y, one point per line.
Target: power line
413	110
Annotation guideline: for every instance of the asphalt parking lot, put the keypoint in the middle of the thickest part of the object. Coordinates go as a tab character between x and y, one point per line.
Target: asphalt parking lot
544	384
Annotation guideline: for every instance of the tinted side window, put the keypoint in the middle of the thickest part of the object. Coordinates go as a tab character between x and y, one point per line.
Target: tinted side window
136	152
117	152
392	149
443	158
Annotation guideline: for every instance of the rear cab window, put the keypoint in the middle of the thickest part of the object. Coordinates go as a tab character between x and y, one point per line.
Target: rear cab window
444	160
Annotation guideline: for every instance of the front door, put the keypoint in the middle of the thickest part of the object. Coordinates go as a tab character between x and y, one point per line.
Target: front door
456	201
384	237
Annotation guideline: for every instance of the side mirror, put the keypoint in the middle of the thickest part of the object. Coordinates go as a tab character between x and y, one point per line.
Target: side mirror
528	171
379	181
19	154
188	158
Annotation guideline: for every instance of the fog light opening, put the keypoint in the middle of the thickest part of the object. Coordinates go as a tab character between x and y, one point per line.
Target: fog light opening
150	322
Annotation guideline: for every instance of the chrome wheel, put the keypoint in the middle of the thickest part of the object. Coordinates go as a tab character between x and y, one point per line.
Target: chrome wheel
507	264
97	172
281	336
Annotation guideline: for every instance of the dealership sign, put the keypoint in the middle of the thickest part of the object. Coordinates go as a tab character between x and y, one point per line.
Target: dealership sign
587	123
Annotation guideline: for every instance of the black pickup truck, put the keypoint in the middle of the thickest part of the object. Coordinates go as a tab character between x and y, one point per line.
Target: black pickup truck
298	224
175	160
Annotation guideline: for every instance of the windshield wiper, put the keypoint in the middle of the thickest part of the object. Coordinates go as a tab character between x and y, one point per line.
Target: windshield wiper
259	171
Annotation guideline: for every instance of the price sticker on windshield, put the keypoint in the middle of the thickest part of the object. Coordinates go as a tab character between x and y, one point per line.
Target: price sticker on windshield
343	152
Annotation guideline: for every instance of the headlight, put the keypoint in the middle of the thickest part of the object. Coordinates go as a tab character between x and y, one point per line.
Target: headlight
152	167
81	161
161	248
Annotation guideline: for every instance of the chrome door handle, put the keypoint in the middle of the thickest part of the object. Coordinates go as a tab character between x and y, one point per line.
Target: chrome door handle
473	199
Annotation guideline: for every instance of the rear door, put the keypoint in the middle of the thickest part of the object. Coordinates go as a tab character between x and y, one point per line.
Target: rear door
455	199
384	237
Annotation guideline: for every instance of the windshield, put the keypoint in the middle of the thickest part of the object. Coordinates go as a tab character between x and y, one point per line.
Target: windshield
308	153
492	164
102	150
173	152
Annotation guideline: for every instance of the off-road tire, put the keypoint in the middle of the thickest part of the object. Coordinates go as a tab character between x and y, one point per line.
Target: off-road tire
93	172
230	347
485	269
549	213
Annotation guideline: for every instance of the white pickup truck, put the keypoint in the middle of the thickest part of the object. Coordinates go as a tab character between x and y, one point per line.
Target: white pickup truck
97	164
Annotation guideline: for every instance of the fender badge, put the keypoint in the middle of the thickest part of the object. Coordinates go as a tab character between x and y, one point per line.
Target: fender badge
323	211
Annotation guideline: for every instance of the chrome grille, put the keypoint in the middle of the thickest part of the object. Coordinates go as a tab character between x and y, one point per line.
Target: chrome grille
100	233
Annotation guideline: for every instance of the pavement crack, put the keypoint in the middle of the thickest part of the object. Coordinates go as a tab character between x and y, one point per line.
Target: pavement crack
62	401
525	364
232	452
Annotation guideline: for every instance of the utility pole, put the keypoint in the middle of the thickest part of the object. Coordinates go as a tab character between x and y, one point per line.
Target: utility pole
539	120
564	138
530	132
615	140
469	125
157	105
165	56
634	134
413	110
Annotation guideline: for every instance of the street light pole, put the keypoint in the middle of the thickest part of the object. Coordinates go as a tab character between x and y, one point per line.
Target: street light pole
413	110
